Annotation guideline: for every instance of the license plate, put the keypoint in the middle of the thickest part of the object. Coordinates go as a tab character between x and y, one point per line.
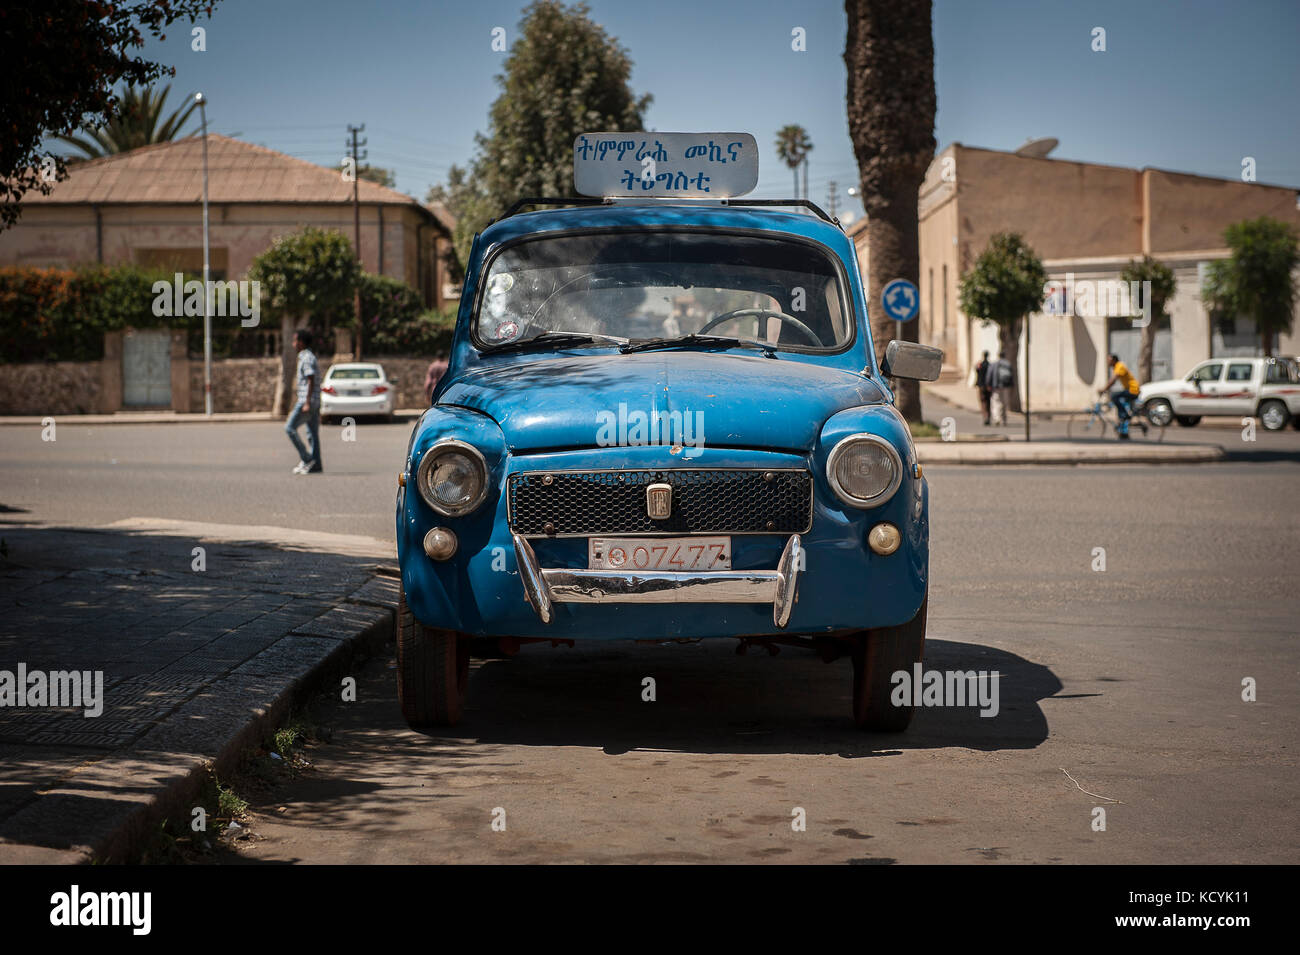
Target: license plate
659	553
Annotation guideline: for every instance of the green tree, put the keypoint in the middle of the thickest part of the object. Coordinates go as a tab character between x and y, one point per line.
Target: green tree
1005	284
564	75
456	195
137	121
309	272
1163	284
889	54
62	60
1258	279
792	148
379	176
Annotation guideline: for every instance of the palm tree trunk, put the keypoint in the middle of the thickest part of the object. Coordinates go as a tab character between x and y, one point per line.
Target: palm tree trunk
892	236
889	55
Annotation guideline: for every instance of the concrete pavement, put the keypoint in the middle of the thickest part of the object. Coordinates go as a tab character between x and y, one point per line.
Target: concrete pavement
199	659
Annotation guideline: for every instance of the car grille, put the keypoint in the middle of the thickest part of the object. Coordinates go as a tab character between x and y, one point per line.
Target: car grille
583	503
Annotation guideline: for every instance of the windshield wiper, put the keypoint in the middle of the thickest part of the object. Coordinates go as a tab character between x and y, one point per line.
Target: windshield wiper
559	339
769	351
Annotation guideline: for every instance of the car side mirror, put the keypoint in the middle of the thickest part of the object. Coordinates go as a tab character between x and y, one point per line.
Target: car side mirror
910	360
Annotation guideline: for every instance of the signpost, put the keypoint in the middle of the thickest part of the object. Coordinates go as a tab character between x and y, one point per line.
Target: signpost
902	303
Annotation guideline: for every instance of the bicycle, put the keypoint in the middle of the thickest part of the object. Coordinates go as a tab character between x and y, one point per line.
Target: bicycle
1102	415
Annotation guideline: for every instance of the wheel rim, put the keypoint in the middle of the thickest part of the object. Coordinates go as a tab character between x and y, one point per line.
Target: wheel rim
1160	414
1272	417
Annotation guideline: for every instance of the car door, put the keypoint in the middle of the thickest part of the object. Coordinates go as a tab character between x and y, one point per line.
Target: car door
1236	394
1198	394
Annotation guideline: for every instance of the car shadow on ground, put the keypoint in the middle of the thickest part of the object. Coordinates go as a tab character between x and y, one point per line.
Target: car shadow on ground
709	700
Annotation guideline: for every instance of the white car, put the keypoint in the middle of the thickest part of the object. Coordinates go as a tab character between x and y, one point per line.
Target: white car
1266	388
355	389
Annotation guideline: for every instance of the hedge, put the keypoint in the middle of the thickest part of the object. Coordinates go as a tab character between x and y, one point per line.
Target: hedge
62	314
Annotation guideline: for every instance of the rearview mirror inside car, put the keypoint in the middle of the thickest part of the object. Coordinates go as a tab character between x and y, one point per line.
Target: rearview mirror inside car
910	360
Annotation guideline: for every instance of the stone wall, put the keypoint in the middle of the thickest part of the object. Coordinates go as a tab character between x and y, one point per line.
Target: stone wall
51	388
238	384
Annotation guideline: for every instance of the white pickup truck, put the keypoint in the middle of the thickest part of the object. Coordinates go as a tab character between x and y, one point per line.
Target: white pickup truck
1267	388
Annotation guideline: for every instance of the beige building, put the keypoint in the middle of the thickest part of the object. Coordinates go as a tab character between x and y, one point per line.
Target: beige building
1086	222
145	207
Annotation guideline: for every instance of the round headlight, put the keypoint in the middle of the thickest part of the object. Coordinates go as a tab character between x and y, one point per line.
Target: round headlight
453	478
864	470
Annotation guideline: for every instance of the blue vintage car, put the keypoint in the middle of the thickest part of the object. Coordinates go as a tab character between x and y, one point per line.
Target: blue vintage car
664	419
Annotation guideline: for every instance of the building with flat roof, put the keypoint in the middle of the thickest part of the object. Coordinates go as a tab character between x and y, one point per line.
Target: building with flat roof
1086	221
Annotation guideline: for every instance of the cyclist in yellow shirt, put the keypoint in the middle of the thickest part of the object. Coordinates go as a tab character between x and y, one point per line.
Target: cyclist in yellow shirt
1123	396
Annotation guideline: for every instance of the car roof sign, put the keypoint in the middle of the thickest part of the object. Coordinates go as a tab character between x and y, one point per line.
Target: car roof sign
665	165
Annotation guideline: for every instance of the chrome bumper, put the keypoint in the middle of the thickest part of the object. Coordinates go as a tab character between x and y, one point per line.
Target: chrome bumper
544	587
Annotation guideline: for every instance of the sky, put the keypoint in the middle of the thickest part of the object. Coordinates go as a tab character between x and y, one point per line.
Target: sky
1186	85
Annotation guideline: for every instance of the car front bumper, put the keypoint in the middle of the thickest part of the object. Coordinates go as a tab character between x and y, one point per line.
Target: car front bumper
544	587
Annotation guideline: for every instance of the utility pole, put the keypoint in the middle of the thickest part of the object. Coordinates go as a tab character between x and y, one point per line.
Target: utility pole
832	188
207	285
357	156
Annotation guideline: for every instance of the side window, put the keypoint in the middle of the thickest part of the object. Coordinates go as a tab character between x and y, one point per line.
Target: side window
1240	371
1209	372
1277	373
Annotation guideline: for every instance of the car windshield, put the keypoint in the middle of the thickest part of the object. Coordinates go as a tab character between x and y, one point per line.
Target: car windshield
354	374
637	286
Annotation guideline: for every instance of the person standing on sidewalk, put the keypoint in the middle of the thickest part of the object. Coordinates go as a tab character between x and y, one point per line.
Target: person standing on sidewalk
306	408
1126	391
1001	379
981	385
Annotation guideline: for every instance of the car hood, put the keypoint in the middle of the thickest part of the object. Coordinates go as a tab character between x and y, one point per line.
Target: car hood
593	400
1166	386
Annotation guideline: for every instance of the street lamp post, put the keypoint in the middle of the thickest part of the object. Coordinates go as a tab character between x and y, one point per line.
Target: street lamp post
207	312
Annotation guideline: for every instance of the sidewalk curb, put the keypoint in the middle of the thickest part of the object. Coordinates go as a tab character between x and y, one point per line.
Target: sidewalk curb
161	773
1062	452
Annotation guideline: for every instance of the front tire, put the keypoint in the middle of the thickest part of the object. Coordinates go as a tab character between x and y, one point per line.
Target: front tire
1159	412
432	671
877	656
1273	415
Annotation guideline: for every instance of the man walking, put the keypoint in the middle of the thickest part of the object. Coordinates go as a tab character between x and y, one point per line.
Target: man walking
306	409
1001	379
981	385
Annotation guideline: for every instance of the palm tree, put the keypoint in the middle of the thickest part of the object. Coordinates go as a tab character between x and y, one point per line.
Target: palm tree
793	147
890	58
137	121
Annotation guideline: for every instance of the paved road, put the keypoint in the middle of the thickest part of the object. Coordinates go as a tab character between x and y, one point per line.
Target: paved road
221	473
1129	679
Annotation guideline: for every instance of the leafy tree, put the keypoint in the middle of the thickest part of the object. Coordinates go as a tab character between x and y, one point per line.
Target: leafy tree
1004	286
457	195
1163	284
1258	279
889	54
309	272
793	147
378	175
62	59
137	121
564	76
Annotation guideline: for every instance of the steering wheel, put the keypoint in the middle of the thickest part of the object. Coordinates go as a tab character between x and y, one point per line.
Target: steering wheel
761	313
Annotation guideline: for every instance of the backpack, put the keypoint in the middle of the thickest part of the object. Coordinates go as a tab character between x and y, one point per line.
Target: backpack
1005	378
